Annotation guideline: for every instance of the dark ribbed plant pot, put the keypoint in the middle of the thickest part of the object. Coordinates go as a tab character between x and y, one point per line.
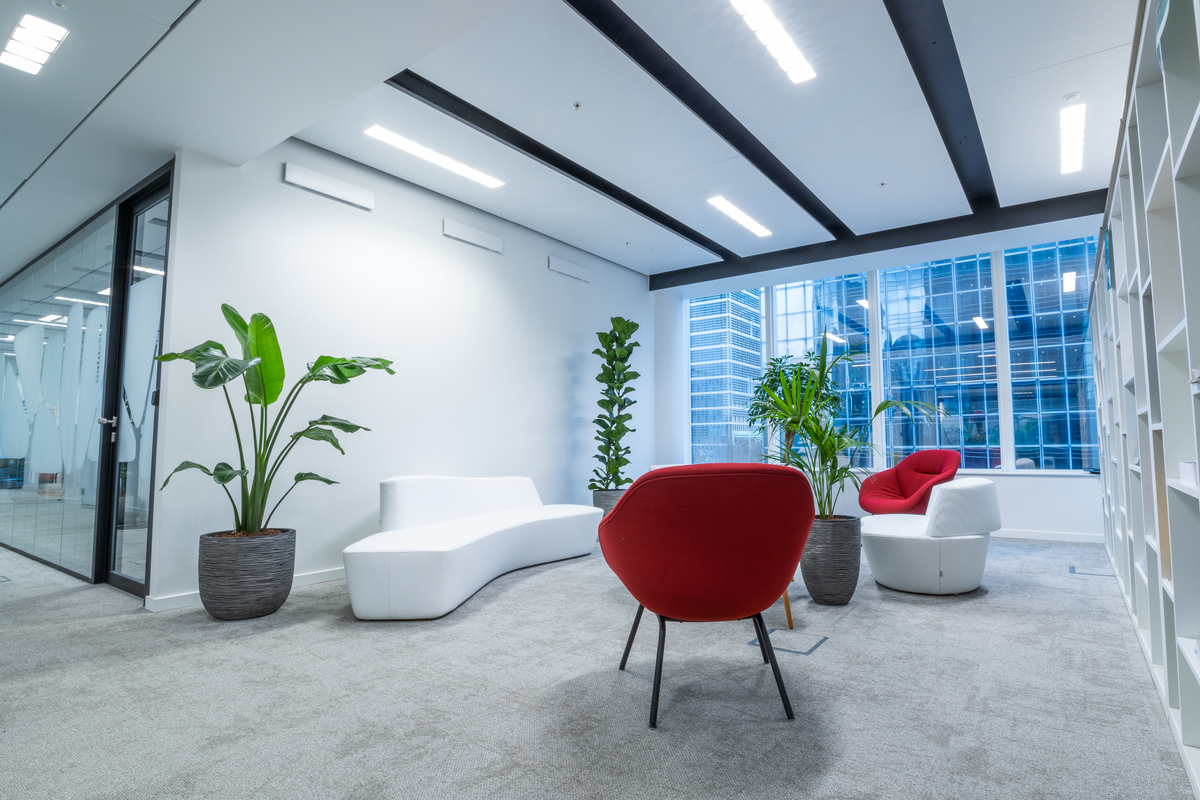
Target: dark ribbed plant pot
243	577
605	499
831	558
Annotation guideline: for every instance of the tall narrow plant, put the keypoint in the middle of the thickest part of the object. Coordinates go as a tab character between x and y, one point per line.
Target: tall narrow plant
264	448
797	402
615	377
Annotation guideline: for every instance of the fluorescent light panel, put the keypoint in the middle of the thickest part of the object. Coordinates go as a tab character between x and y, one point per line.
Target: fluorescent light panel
81	300
432	156
38	322
106	291
1071	126
151	270
1069	281
981	322
50	318
32	44
758	16
864	304
739	216
837	339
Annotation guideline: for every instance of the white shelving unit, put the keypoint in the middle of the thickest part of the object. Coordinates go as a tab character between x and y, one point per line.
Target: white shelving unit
1145	317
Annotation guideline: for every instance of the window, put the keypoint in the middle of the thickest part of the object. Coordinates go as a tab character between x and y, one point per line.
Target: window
1054	410
939	347
837	309
726	359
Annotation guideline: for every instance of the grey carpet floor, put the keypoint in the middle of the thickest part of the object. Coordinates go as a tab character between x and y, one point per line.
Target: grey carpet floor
1032	687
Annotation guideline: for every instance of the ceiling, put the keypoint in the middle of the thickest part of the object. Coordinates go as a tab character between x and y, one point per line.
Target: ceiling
643	110
861	135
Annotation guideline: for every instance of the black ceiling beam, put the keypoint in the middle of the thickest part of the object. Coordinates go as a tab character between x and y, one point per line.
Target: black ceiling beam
924	31
617	26
982	221
435	96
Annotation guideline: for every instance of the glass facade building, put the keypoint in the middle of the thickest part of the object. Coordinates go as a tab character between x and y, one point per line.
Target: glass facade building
726	344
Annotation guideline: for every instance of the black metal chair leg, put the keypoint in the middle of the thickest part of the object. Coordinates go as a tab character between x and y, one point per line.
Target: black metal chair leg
637	619
662	640
758	634
766	639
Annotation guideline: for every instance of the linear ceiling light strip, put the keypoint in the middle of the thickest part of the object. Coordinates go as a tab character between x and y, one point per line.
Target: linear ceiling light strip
998	219
924	31
622	31
435	96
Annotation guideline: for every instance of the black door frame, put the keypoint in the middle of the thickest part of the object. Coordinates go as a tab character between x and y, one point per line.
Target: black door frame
147	193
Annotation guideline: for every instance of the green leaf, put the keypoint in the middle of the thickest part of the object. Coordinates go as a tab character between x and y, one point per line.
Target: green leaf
341	370
345	426
215	367
320	435
223	473
312	476
264	383
182	467
240	329
193	353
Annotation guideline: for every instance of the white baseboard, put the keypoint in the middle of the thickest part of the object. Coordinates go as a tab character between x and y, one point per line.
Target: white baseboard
1050	536
186	599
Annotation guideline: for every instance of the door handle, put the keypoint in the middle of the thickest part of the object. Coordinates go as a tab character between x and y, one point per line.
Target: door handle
104	421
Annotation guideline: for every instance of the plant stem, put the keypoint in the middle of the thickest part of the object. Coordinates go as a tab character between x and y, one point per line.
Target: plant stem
241	460
285	494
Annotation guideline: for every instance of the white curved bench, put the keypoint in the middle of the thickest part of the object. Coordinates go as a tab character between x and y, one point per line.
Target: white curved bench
941	552
443	539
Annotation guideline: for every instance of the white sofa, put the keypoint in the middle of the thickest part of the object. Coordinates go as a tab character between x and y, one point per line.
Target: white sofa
942	551
443	539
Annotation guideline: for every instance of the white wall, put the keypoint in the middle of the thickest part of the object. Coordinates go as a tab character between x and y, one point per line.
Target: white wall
495	374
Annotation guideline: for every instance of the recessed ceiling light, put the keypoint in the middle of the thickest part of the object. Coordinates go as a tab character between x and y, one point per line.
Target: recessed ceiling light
837	339
106	291
32	44
433	157
1071	124
739	216
50	318
758	16
981	322
864	304
148	269
1068	281
81	300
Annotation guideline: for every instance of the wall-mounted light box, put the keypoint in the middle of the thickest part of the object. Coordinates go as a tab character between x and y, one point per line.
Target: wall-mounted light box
314	181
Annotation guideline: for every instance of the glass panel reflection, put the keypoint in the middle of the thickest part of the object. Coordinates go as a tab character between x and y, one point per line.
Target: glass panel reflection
139	383
52	336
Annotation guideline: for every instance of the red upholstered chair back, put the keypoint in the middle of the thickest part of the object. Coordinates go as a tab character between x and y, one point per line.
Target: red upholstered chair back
709	542
917	470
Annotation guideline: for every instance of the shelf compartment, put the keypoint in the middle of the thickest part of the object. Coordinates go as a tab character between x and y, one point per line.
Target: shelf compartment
1171	649
1189	691
1180	68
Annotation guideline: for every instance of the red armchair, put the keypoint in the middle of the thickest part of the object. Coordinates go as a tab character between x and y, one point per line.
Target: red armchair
905	488
709	543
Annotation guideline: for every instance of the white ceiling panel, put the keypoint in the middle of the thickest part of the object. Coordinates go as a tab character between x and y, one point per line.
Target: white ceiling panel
104	41
879	174
1019	121
532	195
833	131
997	41
529	65
1020	59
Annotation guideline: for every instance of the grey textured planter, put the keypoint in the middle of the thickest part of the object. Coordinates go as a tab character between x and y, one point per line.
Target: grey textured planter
605	499
243	577
831	558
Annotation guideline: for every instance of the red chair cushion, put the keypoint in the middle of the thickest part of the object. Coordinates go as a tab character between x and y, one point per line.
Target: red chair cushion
709	542
905	488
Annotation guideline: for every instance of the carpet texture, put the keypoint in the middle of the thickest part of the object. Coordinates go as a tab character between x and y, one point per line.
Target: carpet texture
1032	687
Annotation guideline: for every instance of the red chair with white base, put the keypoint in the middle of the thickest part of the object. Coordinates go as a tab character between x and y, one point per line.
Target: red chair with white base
905	488
709	543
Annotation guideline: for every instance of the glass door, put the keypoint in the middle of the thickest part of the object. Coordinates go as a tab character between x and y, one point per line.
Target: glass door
131	411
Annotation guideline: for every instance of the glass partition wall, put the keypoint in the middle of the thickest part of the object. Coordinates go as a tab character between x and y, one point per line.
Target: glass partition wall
79	331
1011	373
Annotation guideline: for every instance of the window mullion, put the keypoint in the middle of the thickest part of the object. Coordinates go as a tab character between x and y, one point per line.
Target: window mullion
875	350
1008	453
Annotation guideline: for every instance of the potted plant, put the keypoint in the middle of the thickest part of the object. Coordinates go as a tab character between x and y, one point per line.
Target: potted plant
797	402
247	571
614	378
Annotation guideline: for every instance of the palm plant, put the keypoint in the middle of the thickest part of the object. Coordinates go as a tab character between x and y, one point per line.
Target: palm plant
262	373
797	403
